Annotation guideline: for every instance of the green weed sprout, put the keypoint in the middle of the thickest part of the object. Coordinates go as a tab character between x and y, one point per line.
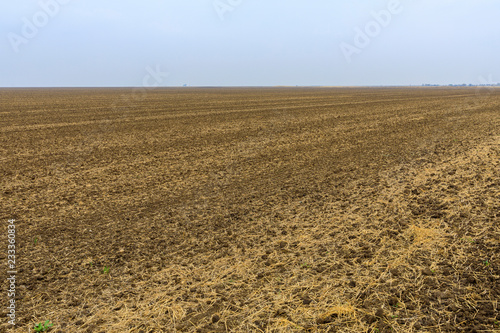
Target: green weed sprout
105	270
42	327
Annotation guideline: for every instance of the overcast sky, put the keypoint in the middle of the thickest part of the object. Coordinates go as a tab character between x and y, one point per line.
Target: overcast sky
248	42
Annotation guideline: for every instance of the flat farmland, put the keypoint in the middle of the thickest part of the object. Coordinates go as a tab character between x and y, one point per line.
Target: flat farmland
252	209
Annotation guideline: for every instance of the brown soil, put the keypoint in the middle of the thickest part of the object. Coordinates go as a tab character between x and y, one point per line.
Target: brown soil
253	210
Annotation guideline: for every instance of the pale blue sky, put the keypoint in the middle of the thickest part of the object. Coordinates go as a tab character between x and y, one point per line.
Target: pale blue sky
266	43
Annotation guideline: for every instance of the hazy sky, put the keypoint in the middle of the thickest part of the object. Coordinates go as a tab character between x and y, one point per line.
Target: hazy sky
248	42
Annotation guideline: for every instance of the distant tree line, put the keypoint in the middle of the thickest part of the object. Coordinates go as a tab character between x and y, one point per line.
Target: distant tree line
461	85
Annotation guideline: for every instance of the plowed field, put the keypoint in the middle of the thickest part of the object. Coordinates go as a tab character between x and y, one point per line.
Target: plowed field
252	209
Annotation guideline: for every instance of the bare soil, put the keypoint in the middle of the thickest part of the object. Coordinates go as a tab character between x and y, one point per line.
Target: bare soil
252	210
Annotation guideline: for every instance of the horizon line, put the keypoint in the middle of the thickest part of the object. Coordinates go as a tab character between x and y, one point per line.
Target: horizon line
258	86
